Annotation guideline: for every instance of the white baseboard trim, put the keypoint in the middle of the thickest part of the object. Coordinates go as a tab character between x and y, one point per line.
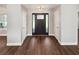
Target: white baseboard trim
59	42
68	43
23	39
51	34
3	34
29	34
14	44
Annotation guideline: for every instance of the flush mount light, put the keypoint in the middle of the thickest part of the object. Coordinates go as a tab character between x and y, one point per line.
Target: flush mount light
40	8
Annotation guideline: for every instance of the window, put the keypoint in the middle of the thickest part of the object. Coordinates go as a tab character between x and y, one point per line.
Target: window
47	23
33	23
40	16
3	21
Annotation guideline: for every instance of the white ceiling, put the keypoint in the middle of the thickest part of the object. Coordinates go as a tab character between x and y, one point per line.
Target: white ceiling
37	5
3	9
34	5
2	5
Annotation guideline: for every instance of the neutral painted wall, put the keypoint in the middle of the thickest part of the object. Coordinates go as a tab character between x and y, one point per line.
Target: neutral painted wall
66	16
56	15
69	24
3	31
51	27
14	24
51	23
3	10
24	23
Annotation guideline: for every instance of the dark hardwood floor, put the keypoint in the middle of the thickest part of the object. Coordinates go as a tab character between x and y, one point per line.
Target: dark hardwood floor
38	45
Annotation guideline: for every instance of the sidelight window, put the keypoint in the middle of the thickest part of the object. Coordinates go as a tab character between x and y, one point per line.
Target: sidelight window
33	23
47	23
3	21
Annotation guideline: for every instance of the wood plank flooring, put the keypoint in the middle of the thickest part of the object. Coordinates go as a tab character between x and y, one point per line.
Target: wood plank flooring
38	45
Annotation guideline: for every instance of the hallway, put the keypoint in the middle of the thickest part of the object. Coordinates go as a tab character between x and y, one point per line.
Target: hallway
37	45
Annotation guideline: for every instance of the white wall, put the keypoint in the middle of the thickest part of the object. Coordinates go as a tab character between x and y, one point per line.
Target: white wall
66	15
14	24
51	23
30	11
57	23
3	31
24	23
3	10
69	24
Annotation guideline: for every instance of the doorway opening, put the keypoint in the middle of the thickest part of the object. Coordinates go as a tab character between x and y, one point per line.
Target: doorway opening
40	23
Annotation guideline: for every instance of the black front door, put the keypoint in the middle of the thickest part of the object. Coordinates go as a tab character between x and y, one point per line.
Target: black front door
40	24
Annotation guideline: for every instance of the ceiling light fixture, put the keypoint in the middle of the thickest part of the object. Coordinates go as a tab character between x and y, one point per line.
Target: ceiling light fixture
41	8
